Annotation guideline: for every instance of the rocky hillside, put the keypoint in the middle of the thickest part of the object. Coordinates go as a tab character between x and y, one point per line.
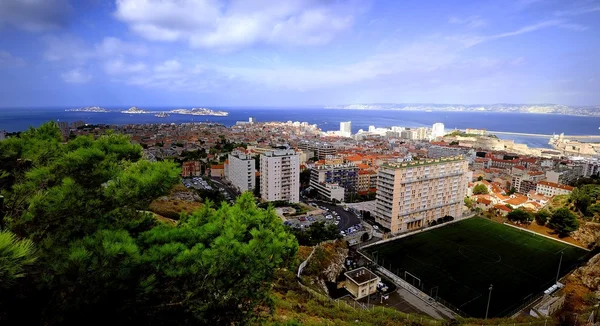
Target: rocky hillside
326	264
588	234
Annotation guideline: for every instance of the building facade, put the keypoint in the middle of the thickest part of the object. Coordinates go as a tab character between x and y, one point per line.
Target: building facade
280	176
412	194
346	128
191	169
240	171
361	282
552	189
320	150
437	130
343	175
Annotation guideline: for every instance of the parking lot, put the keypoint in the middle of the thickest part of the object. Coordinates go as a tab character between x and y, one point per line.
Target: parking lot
196	183
347	222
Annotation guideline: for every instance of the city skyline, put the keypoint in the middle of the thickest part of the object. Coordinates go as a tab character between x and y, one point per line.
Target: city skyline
133	52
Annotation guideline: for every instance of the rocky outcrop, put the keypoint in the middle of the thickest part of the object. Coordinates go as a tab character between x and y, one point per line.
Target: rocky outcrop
326	264
589	275
336	265
587	234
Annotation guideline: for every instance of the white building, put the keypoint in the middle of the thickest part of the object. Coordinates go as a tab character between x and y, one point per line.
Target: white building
280	176
346	128
437	130
552	189
240	171
411	195
2	134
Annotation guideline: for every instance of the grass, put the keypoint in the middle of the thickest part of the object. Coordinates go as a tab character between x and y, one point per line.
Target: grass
464	258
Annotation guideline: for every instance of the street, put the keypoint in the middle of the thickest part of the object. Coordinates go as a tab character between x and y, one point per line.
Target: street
347	218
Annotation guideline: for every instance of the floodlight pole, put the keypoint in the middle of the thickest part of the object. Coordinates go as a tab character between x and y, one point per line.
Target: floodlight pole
489	299
559	263
1	211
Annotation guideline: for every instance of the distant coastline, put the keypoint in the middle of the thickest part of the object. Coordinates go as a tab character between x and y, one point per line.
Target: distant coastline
550	109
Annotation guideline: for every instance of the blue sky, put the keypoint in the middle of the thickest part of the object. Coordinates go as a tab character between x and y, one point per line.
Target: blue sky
298	52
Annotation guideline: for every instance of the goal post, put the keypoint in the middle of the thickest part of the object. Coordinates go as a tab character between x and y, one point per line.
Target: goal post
414	278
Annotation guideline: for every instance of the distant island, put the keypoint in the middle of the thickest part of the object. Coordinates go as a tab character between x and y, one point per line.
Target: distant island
161	115
135	110
89	109
514	108
200	111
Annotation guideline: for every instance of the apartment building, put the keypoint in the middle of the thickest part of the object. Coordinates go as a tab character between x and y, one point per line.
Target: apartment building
412	194
552	189
414	133
565	174
436	151
321	150
191	169
240	170
523	180
280	176
343	175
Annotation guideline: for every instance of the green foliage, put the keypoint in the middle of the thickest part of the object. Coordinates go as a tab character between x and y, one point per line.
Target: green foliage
102	259
469	202
15	257
316	233
480	189
480	178
542	216
563	221
582	198
520	215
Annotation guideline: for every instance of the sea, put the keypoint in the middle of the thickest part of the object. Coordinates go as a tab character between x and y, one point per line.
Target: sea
18	119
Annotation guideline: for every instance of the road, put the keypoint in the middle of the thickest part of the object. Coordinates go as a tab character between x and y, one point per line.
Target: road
228	189
347	219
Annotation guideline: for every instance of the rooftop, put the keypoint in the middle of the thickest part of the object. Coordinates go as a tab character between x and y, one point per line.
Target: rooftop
429	161
556	185
361	275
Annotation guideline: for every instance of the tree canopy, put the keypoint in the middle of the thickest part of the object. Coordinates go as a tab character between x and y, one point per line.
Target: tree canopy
520	215
563	221
82	248
480	189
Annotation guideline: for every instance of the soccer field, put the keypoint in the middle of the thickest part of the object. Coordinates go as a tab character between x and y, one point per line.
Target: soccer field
460	261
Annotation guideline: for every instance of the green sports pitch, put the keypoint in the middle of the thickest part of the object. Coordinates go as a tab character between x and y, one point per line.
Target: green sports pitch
459	261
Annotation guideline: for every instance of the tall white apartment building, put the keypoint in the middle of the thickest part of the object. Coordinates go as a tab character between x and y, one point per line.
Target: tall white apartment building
280	176
346	128
240	170
437	130
412	194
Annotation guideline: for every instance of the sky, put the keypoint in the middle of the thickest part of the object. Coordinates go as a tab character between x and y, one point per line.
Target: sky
298	52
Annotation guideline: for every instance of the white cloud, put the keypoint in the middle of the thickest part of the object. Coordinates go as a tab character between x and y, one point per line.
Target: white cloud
119	66
9	60
111	46
228	25
76	76
472	21
472	40
577	11
76	51
168	66
35	15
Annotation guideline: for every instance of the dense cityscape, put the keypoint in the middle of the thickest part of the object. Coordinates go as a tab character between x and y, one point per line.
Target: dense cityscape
300	162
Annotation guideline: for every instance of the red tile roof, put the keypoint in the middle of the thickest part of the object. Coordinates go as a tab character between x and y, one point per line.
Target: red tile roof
556	185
